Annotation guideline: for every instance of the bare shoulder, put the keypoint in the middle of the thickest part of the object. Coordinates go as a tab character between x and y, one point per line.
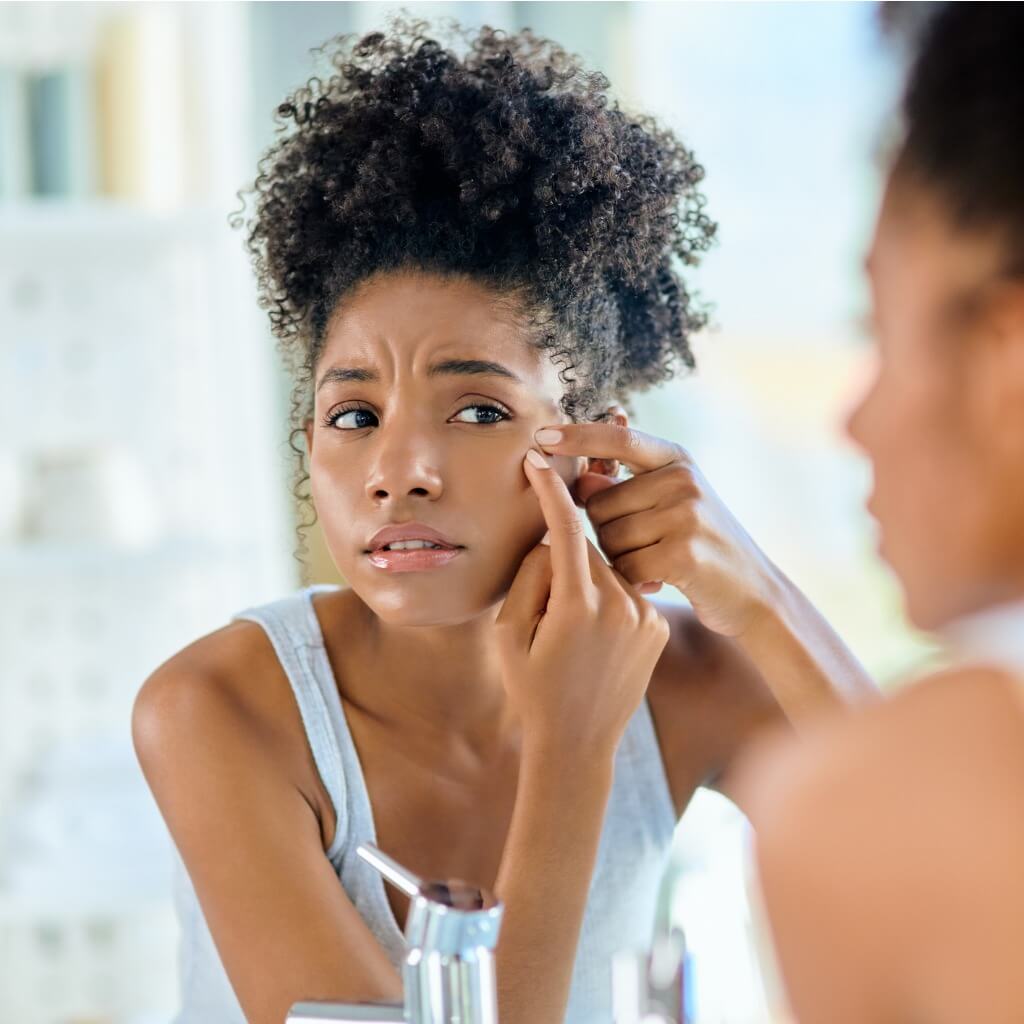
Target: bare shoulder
227	693
220	740
959	726
894	835
208	675
918	786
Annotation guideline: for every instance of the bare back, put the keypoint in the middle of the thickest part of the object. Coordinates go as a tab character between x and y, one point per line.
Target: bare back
891	849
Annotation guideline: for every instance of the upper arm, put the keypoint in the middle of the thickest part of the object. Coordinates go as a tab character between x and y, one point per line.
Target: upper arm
281	921
708	700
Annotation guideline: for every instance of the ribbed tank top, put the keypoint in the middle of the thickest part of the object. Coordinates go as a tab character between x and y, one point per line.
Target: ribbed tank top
632	855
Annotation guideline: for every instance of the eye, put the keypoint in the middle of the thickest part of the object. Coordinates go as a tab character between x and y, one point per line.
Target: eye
333	418
502	412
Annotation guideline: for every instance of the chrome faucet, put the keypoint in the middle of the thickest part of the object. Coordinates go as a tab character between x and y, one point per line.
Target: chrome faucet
448	974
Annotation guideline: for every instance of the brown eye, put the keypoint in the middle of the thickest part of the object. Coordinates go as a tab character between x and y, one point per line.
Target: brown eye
332	418
490	408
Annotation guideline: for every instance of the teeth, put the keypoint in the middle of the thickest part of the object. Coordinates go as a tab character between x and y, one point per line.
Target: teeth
410	545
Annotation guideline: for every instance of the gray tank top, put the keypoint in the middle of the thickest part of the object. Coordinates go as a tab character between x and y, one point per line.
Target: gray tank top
632	855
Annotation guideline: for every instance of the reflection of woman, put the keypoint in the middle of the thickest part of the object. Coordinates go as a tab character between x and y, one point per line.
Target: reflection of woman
891	846
456	252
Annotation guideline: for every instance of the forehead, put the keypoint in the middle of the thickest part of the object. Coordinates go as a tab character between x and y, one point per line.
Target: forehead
408	317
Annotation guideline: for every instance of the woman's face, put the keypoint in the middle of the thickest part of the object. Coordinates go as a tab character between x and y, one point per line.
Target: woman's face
410	425
945	492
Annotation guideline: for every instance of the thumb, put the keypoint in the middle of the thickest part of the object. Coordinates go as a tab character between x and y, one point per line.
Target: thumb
528	595
588	484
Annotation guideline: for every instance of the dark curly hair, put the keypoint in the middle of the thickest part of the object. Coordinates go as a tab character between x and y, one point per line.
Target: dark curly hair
963	112
506	164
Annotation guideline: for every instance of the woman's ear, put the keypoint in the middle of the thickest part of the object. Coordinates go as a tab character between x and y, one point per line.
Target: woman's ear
308	429
609	467
597	474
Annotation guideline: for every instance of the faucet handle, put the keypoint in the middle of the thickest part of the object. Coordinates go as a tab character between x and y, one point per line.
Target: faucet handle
400	877
450	916
453	892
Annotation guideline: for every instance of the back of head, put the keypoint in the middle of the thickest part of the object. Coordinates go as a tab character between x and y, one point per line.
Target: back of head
963	112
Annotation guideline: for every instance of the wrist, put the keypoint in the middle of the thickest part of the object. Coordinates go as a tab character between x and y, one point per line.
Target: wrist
552	757
771	613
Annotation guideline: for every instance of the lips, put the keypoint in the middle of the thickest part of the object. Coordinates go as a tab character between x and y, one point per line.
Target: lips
409	531
412	561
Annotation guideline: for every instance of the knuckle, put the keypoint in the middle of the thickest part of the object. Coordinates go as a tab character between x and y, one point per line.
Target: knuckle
589	603
686	518
683	482
661	630
684	556
683	456
573	526
656	619
620	610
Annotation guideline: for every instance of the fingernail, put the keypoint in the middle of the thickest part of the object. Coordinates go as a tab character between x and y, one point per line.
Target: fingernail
538	459
547	436
546	539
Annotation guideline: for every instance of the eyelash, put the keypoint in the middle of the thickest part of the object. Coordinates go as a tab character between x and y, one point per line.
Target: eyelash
332	417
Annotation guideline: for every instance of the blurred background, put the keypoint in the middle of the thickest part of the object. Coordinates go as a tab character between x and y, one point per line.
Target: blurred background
144	468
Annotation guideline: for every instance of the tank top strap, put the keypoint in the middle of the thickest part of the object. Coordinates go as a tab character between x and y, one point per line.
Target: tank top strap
294	631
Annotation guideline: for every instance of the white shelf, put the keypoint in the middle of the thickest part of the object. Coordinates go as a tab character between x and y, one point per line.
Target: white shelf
44	220
37	557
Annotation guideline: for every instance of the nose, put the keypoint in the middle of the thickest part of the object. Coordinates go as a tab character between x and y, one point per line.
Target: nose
405	462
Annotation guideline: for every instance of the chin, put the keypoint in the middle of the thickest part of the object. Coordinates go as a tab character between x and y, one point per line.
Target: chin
926	613
425	608
416	613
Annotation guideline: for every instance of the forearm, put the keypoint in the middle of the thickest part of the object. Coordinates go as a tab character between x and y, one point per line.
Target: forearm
544	879
801	657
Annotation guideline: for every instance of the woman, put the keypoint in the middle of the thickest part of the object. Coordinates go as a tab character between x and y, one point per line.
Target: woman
890	846
457	252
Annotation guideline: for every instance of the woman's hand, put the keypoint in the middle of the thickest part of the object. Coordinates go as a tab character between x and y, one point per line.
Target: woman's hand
577	642
666	523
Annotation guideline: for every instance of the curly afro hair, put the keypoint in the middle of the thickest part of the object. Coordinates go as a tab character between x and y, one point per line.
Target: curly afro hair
507	164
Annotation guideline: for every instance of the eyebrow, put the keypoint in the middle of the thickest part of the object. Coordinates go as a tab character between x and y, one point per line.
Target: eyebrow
469	367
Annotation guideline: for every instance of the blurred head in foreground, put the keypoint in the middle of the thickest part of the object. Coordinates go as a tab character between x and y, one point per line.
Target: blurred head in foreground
943	422
457	248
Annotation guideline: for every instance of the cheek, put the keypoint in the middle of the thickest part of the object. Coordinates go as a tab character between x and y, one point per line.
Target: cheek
500	490
924	483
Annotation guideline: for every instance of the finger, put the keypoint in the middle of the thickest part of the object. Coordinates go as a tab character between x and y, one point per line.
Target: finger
567	539
606	575
638	530
528	595
649	587
588	484
646	565
639	451
600	570
668	485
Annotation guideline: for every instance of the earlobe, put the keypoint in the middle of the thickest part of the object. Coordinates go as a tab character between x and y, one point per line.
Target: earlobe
610	467
603	467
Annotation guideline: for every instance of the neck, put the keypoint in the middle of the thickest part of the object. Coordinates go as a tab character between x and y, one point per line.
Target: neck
993	632
434	679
